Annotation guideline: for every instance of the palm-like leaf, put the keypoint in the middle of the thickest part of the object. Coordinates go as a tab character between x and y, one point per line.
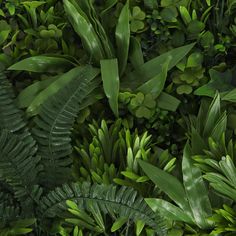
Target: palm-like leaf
54	122
108	199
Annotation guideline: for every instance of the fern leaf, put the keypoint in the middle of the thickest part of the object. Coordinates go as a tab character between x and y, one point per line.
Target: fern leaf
12	118
123	202
54	122
18	167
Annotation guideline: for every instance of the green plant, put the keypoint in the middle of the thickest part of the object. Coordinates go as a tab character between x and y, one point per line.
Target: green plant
191	197
35	164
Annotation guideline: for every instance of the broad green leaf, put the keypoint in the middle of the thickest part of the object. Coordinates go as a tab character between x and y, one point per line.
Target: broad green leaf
195	27
153	67
195	190
156	84
118	224
27	95
169	14
168	210
221	185
24	223
21	231
185	14
56	85
168	102
230	96
139	227
123	37
168	184
197	142
136	54
87	6
228	168
195	59
111	84
220	127
108	5
219	81
212	116
42	64
85	30
5	30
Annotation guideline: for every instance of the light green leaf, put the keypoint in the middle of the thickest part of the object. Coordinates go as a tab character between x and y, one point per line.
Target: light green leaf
55	86
167	102
43	64
153	67
111	84
230	96
27	95
156	84
85	30
136	54
195	190
118	224
5	29
123	37
185	14
139	227
168	184
168	210
212	115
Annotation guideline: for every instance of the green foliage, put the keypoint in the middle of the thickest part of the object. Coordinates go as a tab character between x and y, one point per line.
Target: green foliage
191	196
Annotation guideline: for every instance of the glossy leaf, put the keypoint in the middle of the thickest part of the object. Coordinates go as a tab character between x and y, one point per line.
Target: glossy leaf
118	224
195	190
123	37
85	30
56	86
168	102
168	210
111	84
153	67
156	84
42	64
136	54
212	115
167	183
27	95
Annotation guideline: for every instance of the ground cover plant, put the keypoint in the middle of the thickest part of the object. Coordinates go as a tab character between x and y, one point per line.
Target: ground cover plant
117	117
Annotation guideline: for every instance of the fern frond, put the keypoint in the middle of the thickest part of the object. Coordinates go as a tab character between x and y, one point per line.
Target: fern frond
12	118
18	167
54	123
123	202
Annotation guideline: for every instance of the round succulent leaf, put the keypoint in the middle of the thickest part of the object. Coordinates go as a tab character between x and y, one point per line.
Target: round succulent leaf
136	25
143	112
184	89
207	40
177	80
195	59
149	101
187	77
195	27
169	14
138	14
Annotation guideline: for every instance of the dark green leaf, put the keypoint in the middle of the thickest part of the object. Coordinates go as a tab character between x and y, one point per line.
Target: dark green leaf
111	83
123	37
167	183
43	64
195	190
